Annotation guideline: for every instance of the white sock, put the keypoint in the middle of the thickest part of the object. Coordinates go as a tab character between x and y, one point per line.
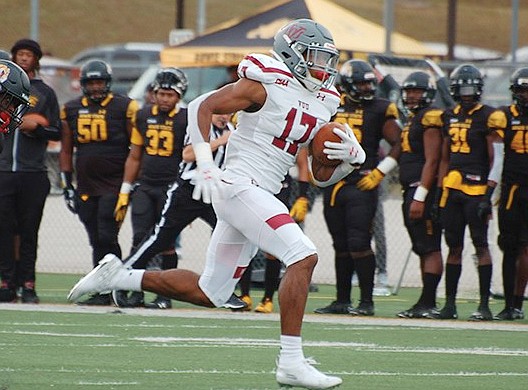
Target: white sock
291	349
130	279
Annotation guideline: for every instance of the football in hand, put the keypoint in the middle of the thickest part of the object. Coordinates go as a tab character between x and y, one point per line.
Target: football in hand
325	133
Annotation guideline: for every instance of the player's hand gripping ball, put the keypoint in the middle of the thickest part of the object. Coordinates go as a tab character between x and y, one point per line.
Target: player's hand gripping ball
325	133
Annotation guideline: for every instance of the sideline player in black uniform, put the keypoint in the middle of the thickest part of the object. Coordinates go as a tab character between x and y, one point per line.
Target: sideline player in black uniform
14	101
156	149
513	204
24	183
99	125
350	205
468	174
421	146
180	209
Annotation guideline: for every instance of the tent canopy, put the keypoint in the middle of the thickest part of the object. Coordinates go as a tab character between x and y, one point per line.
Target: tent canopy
227	43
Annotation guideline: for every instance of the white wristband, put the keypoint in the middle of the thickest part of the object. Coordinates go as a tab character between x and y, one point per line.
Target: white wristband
420	194
202	152
125	188
387	164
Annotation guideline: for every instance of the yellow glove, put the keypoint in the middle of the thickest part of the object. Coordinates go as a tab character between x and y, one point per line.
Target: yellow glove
121	207
370	181
299	209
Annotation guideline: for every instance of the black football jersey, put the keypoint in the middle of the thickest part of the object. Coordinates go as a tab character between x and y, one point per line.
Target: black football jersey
412	158
101	140
367	121
468	146
161	135
515	170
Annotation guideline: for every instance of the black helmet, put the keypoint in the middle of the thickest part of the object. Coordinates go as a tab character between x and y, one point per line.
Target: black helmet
518	83
96	70
171	78
419	80
14	95
466	80
357	71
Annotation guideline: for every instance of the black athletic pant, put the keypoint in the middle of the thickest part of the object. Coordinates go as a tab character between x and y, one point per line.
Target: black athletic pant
22	199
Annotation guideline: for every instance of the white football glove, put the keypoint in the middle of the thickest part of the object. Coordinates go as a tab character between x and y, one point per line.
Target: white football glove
349	150
207	173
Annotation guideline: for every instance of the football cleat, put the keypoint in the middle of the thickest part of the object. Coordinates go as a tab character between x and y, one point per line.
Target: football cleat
303	374
7	294
266	306
96	300
248	304
363	309
160	302
419	311
448	312
101	279
334	308
509	314
235	303
483	313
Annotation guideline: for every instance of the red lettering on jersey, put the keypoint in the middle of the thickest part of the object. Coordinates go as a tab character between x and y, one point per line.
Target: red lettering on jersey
239	272
282	82
279	220
295	31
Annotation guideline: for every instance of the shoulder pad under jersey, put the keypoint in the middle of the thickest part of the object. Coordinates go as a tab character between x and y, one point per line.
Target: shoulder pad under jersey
262	68
432	118
497	120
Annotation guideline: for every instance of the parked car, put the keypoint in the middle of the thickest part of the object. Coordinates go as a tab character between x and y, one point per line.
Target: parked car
128	61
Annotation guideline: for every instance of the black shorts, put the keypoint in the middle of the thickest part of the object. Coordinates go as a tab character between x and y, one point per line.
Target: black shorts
460	211
513	217
147	203
424	233
349	214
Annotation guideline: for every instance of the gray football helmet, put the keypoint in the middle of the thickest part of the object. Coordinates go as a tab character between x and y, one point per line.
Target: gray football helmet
307	48
171	78
14	95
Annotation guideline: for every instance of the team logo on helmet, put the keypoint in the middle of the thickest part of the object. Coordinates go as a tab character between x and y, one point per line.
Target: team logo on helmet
4	72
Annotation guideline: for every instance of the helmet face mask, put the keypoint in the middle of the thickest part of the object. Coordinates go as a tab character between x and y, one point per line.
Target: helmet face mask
424	84
171	78
358	80
307	48
96	80
14	95
519	89
466	83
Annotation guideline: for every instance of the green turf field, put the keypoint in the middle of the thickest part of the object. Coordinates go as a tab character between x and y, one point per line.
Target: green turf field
56	345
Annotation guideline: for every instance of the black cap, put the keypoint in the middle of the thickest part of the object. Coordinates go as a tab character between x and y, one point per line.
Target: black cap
29	44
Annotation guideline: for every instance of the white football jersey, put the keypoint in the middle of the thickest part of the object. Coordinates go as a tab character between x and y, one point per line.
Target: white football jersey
265	143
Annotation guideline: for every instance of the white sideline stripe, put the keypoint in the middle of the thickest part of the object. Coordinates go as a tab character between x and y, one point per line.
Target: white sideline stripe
224	314
83	383
257	372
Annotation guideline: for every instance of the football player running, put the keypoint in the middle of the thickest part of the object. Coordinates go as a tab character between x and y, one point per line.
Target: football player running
283	100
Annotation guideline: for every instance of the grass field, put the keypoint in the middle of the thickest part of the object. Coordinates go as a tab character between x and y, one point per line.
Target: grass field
56	345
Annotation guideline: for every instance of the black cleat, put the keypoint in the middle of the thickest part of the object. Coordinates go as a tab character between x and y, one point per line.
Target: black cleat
363	309
448	312
97	300
483	313
335	308
235	303
29	295
419	311
160	302
7	294
518	314
122	299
